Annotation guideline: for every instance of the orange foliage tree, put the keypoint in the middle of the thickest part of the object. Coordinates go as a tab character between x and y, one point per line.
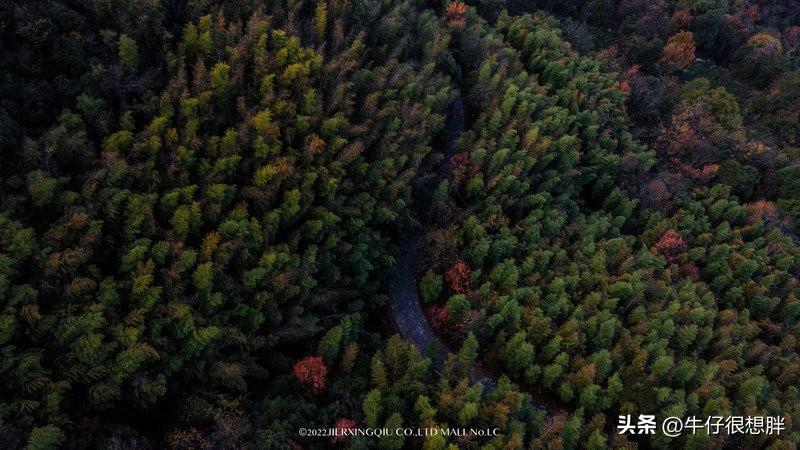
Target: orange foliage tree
312	371
456	14
762	210
679	51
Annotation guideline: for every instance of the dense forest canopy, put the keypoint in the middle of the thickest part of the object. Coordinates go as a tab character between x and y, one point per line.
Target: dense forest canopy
203	205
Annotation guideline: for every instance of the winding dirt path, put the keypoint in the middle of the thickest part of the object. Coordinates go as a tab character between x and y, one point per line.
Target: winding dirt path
404	305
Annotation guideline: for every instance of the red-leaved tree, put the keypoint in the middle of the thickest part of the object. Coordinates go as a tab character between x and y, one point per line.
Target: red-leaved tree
690	270
459	160
437	317
671	244
342	424
312	371
458	277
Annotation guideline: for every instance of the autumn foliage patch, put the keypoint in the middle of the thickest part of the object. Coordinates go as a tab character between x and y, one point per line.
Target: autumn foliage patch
342	424
456	14
458	277
679	51
312	371
671	244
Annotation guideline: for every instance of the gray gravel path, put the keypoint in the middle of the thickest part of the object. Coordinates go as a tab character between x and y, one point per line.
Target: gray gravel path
405	305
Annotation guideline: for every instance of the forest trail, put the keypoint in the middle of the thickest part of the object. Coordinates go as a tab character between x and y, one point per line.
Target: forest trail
404	305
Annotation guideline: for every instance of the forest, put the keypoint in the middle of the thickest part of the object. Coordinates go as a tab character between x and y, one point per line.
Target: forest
222	222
